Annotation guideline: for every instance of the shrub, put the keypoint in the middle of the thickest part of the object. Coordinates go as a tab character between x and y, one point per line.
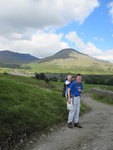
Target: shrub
40	76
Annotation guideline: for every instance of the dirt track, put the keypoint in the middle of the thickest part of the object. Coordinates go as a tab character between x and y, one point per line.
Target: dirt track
96	134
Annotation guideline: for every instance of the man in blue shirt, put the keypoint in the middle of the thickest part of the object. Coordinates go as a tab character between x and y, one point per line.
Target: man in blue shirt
74	92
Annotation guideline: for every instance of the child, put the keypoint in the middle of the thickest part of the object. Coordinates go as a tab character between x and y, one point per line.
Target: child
66	86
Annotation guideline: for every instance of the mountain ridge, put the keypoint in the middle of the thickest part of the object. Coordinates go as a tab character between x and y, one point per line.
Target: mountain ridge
7	56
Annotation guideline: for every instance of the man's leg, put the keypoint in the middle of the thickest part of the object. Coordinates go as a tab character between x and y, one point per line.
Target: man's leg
77	113
71	116
71	113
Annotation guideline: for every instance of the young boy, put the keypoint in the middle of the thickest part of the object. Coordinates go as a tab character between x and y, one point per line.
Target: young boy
74	92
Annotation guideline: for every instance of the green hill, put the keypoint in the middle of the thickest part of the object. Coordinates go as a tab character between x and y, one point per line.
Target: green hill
70	60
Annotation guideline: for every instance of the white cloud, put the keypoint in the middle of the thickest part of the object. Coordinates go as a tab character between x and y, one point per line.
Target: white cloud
40	44
18	15
89	48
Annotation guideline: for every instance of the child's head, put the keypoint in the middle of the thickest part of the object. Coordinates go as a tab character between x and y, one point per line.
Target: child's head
69	77
78	77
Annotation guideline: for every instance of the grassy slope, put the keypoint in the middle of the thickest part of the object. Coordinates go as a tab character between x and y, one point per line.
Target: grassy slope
25	107
28	105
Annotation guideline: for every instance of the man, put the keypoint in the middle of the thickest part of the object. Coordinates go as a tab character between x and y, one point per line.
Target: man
74	92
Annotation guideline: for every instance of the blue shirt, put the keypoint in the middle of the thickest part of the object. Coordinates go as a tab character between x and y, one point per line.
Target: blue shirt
74	86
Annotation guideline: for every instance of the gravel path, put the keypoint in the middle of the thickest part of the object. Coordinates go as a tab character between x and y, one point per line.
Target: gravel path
96	134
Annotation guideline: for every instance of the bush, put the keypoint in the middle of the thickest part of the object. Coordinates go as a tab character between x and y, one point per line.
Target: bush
40	76
37	76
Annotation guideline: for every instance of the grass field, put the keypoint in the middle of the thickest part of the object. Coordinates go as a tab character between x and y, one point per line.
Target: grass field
28	106
53	68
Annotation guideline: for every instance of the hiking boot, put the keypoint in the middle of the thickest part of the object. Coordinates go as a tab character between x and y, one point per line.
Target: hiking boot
70	125
77	125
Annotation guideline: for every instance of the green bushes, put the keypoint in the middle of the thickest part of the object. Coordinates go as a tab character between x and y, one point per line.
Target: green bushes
42	76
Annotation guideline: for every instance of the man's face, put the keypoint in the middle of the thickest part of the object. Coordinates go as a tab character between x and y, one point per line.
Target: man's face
78	78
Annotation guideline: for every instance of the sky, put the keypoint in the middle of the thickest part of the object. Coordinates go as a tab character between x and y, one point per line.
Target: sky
44	27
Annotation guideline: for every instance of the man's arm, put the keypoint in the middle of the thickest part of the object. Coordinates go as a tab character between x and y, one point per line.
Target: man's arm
69	99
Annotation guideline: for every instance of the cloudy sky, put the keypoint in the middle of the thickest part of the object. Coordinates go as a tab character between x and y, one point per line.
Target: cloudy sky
43	27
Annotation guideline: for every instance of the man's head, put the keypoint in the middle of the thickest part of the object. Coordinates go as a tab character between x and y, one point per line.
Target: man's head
78	77
69	77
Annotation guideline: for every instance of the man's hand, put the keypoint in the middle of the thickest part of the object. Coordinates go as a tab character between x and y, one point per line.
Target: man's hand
69	100
79	90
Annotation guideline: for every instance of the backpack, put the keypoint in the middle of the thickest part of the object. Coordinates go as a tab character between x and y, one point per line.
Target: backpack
64	89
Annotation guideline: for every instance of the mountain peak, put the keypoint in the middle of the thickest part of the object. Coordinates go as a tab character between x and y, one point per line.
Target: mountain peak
62	54
67	50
